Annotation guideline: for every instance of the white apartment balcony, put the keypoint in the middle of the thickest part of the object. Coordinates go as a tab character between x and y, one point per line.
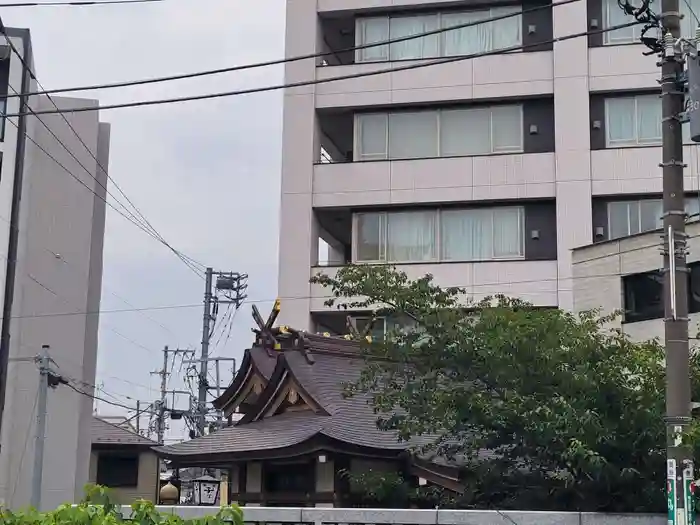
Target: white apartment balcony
532	281
514	75
618	68
350	6
637	171
495	178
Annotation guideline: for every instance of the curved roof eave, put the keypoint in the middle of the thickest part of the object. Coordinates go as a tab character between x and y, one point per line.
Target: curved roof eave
237	384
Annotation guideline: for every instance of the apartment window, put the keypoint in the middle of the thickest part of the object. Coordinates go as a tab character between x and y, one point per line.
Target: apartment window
378	331
383	324
446	235
643	294
613	15
635	121
116	471
637	216
439	133
488	36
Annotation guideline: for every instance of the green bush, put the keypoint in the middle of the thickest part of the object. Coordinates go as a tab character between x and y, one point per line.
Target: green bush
97	509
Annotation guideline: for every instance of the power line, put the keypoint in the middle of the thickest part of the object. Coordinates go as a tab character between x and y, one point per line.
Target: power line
353	76
97	398
297	58
26	67
115	311
79	3
82	183
307	297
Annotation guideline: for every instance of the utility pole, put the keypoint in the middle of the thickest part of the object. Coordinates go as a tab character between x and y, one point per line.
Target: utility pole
679	458
43	361
206	335
232	286
161	404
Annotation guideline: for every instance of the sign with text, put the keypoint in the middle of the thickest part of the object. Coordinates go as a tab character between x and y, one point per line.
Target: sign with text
693	105
689	491
671	490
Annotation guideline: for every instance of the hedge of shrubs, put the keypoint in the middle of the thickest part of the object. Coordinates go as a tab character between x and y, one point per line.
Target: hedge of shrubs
97	509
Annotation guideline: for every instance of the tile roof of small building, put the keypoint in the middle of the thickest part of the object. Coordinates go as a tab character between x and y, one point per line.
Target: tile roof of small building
320	366
106	433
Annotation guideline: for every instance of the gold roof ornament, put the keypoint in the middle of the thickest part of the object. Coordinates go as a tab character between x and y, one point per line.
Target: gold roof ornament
284	329
278	305
369	338
326	334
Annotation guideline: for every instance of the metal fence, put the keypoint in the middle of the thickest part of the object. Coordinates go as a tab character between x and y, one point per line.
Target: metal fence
337	516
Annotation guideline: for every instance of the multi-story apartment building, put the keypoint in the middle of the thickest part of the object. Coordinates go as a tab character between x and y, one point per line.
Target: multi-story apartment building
51	236
484	172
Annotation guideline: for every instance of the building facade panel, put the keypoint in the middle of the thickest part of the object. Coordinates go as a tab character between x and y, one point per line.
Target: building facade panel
601	271
586	140
618	68
507	76
533	281
58	254
500	177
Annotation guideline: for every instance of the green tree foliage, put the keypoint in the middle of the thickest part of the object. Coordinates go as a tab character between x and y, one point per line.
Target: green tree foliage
97	509
546	409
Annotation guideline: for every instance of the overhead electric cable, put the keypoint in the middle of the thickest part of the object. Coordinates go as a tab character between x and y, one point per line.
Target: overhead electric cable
79	3
322	54
148	226
97	398
82	183
419	65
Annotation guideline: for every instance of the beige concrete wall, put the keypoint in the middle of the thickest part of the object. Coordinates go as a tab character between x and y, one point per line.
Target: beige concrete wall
598	270
59	270
147	481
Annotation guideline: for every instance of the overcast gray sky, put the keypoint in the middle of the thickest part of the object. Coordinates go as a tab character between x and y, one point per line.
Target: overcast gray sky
205	174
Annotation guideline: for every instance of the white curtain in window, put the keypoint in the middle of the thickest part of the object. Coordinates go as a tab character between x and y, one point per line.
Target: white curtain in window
506	32
413	135
411	236
425	47
618	219
650	215
466	235
370	31
621	121
465	132
648	119
614	16
370	228
507	128
467	40
372	136
508	240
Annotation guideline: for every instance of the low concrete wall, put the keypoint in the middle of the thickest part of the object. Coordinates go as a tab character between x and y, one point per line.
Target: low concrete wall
319	516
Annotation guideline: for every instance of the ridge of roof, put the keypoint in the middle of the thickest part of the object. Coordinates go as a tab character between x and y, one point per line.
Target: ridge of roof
263	359
284	371
106	433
